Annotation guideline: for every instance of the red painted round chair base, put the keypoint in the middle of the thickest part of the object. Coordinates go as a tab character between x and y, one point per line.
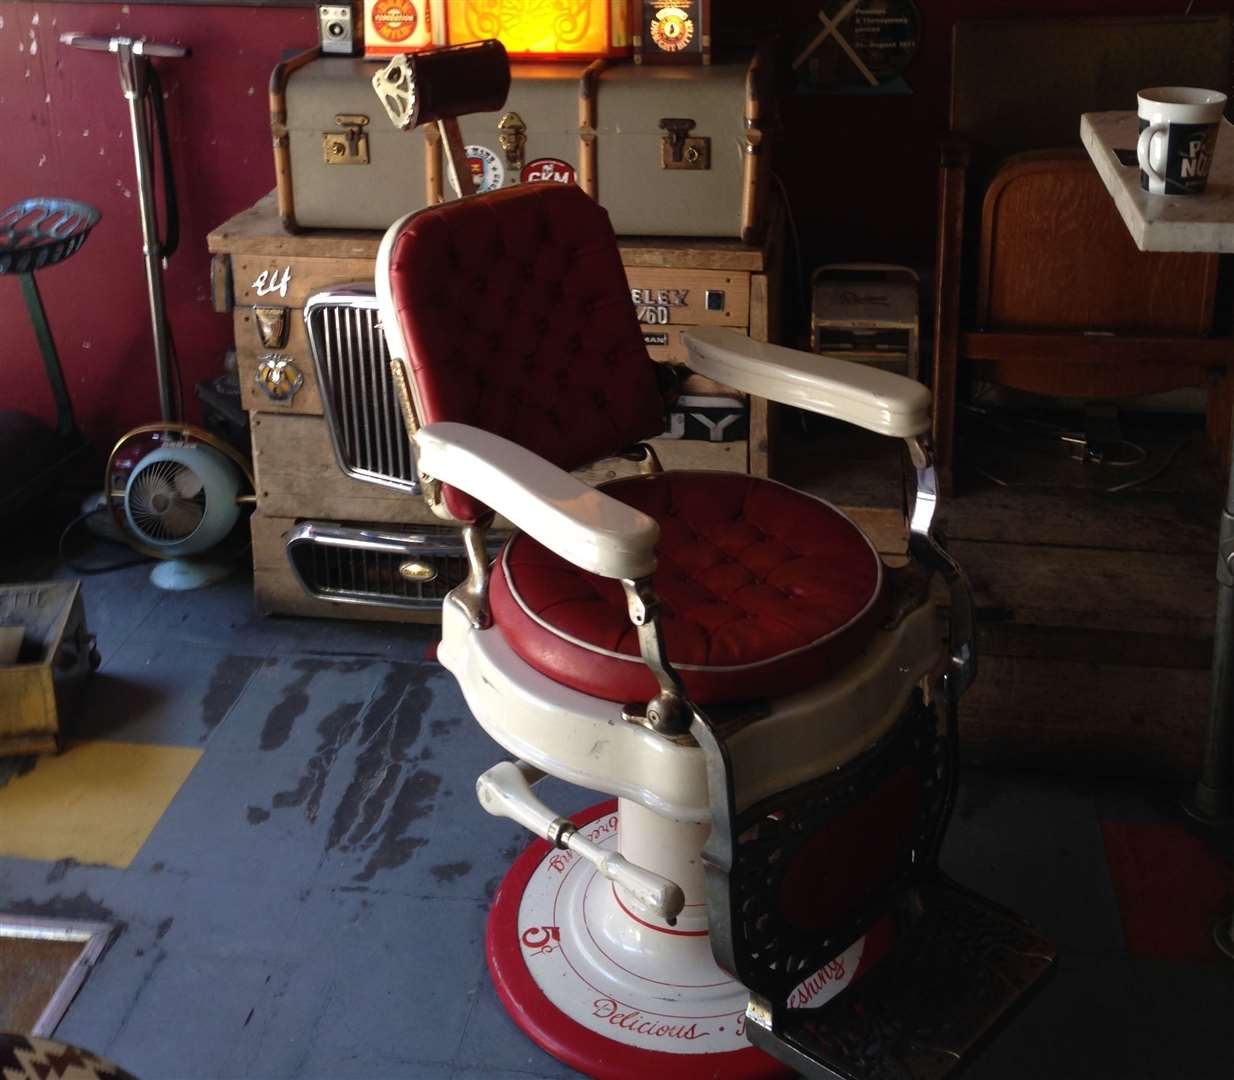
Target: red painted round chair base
657	1007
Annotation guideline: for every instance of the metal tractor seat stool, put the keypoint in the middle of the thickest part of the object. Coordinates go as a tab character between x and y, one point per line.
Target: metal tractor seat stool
36	234
772	708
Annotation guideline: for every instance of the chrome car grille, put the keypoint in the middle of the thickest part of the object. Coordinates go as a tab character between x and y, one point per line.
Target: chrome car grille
357	390
353	565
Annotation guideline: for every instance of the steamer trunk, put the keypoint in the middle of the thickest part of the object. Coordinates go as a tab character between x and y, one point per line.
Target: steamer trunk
311	93
599	125
645	199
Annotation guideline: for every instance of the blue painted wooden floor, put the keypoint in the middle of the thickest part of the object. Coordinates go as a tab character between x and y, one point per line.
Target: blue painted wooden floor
312	903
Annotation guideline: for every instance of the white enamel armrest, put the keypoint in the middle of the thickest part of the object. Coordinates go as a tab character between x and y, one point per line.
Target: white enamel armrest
584	526
881	401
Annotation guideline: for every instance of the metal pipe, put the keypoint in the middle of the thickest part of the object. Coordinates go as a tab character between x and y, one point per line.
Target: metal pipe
1212	801
66	424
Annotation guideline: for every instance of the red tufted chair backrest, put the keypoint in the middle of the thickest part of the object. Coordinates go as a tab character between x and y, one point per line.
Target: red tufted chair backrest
517	319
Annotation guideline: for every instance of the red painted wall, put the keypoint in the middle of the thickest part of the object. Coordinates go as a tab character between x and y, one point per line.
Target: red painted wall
66	133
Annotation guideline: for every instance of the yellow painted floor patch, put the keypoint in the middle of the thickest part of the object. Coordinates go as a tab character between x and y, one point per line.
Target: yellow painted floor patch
96	802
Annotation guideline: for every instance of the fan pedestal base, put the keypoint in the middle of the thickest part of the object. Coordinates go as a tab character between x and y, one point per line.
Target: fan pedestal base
183	575
610	994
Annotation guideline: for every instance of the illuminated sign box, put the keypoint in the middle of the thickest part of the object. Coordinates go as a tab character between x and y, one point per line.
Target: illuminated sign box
544	29
393	27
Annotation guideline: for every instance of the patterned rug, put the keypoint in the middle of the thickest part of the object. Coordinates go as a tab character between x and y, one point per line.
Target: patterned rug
23	1057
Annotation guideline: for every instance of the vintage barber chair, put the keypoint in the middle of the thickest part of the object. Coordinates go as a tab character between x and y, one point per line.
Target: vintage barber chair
772	708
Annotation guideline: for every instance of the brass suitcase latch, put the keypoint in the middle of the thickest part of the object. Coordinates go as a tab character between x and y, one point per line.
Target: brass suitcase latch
347	147
681	150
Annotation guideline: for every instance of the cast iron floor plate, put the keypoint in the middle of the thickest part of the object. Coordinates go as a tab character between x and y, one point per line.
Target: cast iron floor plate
950	977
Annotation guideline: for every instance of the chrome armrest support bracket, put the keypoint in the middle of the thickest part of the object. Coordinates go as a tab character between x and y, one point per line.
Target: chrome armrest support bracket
926	544
472	594
669	712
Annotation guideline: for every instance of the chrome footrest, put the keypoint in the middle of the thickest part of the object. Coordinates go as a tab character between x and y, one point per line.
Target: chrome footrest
960	966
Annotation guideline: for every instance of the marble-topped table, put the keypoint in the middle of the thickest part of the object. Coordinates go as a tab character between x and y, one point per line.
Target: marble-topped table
1188	223
1163	222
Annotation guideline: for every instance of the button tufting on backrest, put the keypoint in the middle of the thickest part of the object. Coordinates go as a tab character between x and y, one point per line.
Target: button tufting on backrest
477	322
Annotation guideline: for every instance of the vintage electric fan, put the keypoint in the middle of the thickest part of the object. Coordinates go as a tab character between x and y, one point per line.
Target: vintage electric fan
180	501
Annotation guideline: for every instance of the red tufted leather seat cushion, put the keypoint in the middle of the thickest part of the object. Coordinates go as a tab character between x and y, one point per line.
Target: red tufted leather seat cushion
766	590
517	317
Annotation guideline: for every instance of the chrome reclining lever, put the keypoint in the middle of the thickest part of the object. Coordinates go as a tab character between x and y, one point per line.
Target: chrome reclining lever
505	791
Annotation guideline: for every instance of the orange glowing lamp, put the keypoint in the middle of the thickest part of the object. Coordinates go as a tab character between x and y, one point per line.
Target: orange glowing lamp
543	29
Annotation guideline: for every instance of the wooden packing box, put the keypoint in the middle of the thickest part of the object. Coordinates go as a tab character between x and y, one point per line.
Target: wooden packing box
57	652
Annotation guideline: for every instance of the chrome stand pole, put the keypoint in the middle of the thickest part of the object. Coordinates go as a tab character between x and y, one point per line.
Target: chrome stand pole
133	80
134	54
1212	801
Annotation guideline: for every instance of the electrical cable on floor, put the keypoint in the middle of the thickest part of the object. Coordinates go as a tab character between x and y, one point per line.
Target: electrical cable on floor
990	476
1022	424
1169	460
92	570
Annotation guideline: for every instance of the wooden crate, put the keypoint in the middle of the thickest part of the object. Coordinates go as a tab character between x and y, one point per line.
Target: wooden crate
257	263
56	654
298	476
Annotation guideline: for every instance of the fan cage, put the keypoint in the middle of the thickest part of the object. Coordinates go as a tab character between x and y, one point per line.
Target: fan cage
160	508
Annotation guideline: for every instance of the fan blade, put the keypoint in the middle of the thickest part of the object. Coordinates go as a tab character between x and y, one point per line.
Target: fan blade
188	483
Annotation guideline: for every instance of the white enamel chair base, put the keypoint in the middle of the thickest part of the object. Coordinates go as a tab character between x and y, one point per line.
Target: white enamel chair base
614	994
590	974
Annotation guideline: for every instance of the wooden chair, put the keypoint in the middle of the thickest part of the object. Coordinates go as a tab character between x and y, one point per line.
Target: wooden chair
1039	285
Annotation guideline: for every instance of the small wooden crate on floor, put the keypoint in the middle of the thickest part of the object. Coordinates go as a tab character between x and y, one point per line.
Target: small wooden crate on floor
56	653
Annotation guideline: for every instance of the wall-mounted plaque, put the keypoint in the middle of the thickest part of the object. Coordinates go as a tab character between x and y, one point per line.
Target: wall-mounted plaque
672	31
859	45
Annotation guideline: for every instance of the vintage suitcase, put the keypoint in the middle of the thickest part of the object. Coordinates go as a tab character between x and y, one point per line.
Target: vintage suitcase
338	161
669	151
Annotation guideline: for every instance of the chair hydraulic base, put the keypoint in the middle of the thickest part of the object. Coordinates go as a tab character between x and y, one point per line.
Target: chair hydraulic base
614	995
956	969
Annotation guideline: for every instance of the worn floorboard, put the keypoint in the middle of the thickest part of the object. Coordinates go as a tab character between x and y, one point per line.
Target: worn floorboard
1095	608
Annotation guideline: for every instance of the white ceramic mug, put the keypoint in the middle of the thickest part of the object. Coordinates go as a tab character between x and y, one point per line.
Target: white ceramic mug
1178	133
